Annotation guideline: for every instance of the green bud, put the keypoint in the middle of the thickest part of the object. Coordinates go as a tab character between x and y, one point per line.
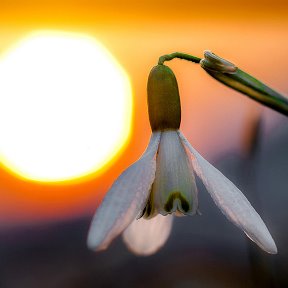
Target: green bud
214	63
163	99
227	73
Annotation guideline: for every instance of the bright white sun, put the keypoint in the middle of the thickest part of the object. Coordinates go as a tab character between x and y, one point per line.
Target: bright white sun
65	106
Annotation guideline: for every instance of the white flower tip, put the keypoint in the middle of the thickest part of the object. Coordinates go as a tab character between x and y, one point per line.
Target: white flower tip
265	242
145	237
143	252
269	246
93	242
272	249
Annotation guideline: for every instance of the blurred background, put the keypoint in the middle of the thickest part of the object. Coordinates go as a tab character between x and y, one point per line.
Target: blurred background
44	224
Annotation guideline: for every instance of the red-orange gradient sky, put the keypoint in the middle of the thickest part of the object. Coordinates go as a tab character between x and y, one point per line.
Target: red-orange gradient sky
252	34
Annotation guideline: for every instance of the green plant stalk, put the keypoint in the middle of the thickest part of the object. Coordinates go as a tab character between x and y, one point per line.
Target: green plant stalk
253	88
235	78
179	55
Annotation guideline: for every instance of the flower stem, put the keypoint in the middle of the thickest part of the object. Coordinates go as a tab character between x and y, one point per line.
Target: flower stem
235	78
179	55
248	85
230	75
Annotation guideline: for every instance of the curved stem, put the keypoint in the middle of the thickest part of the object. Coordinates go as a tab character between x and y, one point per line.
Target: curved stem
230	75
179	55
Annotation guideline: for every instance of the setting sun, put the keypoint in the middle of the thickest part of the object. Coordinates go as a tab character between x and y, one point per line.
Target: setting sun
65	106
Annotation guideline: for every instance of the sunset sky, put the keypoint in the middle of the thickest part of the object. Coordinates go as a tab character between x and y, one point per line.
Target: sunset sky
253	35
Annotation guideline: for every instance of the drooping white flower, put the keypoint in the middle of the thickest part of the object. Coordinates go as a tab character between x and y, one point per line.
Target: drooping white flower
161	183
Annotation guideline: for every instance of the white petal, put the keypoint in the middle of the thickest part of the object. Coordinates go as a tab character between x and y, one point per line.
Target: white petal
174	188
145	237
125	199
231	201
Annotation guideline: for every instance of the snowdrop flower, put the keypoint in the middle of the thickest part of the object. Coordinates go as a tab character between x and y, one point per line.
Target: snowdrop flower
161	183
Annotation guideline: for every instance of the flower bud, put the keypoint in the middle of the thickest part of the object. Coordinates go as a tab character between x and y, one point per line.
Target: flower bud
163	99
214	63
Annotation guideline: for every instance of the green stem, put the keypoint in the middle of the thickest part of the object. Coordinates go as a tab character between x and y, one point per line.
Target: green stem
248	85
228	74
179	55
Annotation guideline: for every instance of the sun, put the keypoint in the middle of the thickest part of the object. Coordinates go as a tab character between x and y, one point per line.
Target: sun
65	106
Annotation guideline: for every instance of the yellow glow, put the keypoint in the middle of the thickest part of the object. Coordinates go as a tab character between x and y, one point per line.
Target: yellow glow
65	106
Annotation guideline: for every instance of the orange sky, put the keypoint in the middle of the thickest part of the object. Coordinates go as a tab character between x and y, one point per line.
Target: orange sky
252	34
